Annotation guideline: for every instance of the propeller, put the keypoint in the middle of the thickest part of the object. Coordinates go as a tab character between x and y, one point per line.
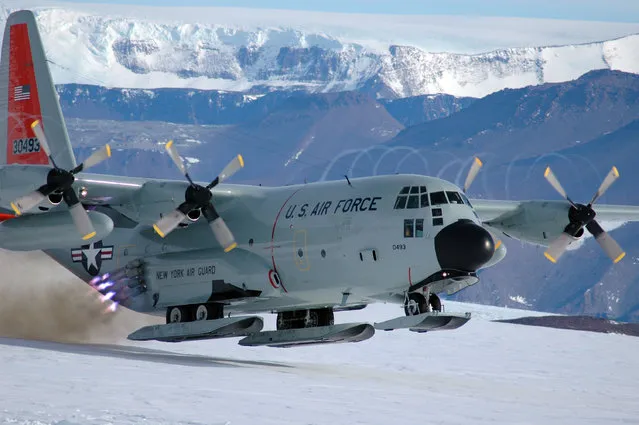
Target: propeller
470	177
61	181
472	173
199	197
581	216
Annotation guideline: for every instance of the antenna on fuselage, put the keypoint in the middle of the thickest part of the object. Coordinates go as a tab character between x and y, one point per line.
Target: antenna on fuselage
349	182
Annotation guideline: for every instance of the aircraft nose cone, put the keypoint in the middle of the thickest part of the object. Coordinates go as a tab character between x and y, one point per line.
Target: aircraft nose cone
463	246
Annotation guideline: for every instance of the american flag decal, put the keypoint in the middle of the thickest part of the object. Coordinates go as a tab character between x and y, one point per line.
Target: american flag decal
22	92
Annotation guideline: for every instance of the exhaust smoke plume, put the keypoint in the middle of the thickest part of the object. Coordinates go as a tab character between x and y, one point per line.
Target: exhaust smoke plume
41	300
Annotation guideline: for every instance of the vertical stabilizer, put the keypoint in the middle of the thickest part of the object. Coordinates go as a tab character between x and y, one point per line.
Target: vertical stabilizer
27	94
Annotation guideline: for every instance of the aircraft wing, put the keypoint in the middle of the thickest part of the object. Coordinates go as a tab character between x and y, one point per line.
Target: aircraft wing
553	224
489	210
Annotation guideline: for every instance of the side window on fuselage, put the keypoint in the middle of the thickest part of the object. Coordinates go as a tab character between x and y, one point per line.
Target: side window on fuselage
414	228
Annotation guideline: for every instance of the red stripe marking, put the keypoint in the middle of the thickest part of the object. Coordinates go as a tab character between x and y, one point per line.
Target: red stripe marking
273	235
22	113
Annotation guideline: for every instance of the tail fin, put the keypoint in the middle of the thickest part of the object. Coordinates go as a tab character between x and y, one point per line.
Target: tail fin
27	94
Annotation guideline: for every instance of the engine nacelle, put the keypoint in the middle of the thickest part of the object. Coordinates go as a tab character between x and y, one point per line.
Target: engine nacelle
52	230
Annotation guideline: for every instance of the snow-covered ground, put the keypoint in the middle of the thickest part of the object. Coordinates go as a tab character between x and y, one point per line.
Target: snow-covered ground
484	372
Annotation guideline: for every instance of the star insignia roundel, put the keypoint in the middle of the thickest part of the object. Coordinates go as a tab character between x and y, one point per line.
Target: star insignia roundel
91	256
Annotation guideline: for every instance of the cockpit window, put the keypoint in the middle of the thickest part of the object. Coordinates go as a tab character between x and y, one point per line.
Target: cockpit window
424	200
411	197
455	198
438	198
400	203
466	200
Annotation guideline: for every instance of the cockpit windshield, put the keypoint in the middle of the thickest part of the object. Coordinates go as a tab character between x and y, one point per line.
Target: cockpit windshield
413	197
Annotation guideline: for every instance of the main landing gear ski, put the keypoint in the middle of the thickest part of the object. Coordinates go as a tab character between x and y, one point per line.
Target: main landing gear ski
309	327
198	322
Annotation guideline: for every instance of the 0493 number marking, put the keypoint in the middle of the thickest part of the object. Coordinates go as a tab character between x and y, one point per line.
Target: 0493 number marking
27	145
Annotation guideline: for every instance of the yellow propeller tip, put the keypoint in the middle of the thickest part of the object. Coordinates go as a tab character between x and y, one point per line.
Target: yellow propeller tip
89	236
35	123
15	209
478	161
615	171
230	247
158	231
239	157
547	172
548	256
169	144
108	150
620	257
497	245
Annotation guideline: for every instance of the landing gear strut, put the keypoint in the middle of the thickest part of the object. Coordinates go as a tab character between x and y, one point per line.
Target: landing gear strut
416	303
299	319
191	313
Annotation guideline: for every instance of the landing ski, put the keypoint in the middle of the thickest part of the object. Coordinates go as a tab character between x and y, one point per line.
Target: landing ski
344	332
425	322
202	329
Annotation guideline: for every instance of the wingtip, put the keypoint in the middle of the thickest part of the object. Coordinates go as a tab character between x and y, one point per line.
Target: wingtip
549	257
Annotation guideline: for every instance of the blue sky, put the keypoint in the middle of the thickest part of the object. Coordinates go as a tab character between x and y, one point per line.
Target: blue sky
604	10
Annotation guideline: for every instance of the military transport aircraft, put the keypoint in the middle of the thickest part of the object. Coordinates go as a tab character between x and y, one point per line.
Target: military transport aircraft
210	256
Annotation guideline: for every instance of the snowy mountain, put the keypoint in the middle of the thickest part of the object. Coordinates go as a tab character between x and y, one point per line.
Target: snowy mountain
144	53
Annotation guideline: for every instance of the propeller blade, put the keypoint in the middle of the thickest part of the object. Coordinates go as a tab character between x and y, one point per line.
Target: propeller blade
30	200
169	222
554	182
606	242
231	168
36	126
78	214
82	221
472	173
558	247
220	229
613	175
175	156
97	157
